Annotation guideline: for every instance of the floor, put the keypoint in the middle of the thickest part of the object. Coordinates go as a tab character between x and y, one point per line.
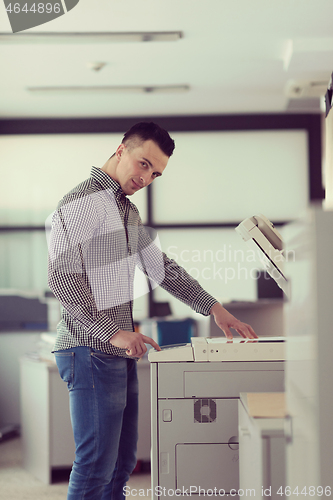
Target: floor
18	484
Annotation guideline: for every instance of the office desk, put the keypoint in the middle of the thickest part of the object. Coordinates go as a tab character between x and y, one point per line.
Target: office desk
46	428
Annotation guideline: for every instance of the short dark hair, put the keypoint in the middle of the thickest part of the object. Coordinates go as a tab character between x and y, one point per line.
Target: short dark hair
150	131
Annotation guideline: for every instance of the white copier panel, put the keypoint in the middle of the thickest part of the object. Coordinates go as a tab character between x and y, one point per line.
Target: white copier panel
222	349
195	414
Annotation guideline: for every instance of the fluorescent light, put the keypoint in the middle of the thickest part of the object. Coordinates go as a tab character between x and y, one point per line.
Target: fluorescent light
90	37
109	88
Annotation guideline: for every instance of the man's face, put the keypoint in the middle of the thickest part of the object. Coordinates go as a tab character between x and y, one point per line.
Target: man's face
138	166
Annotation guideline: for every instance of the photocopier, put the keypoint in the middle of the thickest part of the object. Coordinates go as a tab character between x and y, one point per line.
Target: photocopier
195	389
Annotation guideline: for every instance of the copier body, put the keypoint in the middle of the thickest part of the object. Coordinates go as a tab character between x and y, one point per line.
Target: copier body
195	423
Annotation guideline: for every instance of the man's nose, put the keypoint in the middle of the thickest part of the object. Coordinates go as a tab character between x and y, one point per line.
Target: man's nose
144	179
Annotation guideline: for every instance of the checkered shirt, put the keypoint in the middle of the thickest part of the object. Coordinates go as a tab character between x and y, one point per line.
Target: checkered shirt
96	240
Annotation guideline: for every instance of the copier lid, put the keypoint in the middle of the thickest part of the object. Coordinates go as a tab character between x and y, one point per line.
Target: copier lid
259	231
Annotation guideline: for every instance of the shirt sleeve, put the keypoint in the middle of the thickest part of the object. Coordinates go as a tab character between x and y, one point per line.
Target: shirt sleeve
163	271
72	233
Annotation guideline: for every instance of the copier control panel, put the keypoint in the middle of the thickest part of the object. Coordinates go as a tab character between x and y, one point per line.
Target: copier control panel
221	349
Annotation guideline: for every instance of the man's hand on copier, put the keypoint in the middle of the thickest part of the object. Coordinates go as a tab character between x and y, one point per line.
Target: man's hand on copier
133	342
225	321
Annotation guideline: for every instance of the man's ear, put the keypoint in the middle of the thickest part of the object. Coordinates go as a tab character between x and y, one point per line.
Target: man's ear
120	151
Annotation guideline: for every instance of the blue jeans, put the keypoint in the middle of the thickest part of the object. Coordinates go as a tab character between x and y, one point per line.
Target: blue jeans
103	396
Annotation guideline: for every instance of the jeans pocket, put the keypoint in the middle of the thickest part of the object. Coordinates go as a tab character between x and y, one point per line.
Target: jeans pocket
65	364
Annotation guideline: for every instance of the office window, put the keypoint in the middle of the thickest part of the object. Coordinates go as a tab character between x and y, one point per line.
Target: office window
228	176
23	263
218	258
40	169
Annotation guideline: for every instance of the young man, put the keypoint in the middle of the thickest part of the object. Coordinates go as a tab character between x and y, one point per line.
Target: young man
96	241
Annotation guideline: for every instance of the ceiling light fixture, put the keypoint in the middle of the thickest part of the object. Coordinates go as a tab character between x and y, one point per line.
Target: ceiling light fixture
153	89
96	66
90	37
296	89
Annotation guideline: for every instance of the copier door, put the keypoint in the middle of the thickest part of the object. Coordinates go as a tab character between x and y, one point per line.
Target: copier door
198	444
203	468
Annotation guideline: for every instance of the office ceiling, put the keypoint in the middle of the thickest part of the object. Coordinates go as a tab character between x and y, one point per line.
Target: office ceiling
234	56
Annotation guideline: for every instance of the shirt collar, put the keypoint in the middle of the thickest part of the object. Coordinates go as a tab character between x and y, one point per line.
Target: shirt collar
106	181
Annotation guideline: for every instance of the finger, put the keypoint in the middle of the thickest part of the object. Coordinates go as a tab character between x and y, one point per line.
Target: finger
143	348
227	333
246	331
139	349
134	352
134	355
241	333
152	342
131	350
252	333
